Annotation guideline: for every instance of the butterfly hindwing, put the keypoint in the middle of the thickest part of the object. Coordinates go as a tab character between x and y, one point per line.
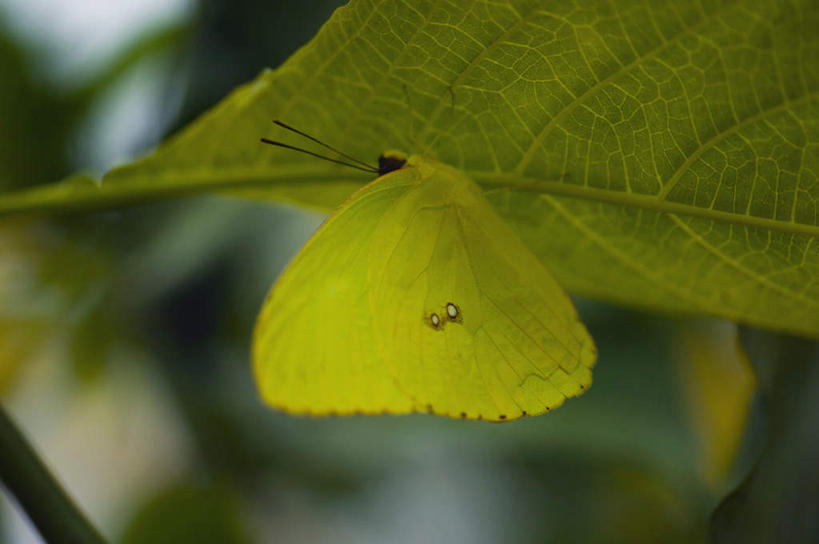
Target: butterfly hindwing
516	347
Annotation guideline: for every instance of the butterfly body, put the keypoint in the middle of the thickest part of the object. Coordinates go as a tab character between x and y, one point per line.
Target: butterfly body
416	296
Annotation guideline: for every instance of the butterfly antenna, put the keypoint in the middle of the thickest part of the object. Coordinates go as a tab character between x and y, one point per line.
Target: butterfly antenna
331	148
280	144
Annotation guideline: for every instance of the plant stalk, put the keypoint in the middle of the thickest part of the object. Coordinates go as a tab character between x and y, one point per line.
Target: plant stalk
38	493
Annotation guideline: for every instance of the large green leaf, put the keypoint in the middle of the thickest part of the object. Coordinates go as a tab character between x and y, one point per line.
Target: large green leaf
660	154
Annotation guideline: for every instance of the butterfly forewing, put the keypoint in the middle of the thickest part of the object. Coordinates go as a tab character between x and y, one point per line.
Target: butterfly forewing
313	349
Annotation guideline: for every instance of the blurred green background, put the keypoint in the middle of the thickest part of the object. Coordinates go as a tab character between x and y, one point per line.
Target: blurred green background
124	336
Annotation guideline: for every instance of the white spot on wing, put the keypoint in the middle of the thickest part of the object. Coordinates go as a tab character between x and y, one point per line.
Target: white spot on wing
452	310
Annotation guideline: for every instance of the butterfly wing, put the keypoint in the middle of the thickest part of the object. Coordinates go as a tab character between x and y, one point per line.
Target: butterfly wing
351	324
313	346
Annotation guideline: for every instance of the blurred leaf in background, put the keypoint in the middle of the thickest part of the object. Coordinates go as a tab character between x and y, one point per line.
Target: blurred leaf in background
718	385
188	513
778	498
51	284
58	272
36	126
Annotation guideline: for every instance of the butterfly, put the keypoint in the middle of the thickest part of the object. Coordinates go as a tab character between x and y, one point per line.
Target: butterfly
415	296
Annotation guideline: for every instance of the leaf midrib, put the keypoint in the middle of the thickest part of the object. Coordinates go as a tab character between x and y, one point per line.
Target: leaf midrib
494	181
51	197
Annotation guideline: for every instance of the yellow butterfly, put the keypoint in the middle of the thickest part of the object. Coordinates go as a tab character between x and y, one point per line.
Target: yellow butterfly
416	296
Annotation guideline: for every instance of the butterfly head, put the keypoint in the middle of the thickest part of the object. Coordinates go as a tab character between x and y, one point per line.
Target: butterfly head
390	161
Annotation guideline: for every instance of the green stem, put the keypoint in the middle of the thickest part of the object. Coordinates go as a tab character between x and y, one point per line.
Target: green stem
48	507
82	193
